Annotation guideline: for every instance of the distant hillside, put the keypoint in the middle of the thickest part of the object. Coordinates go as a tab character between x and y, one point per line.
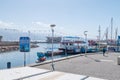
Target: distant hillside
13	35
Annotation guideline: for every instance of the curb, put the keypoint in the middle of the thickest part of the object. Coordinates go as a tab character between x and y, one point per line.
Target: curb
60	59
55	60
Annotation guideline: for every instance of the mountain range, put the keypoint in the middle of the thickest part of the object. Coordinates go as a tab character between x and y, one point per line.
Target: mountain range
14	35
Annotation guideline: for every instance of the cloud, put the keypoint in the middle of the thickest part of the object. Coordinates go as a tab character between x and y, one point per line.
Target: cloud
40	24
41	27
45	28
34	27
6	24
12	26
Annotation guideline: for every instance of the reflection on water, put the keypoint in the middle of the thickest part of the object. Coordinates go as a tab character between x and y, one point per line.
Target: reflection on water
17	58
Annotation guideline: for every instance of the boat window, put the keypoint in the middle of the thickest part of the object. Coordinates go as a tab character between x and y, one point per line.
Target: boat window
71	44
76	44
66	44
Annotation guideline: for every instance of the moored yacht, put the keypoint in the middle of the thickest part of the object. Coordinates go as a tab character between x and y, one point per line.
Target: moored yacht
73	44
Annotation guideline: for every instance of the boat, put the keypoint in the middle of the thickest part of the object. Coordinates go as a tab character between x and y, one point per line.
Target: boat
56	51
41	57
93	46
73	44
55	39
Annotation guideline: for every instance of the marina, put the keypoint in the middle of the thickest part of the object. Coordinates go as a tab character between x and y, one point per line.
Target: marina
17	58
59	40
62	49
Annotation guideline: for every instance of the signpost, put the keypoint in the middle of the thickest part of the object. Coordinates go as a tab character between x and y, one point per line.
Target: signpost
24	44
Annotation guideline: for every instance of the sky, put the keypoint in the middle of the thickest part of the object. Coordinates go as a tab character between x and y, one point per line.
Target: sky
71	17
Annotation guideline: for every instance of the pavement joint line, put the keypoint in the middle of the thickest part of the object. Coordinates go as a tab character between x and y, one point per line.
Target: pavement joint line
84	78
96	60
33	75
105	60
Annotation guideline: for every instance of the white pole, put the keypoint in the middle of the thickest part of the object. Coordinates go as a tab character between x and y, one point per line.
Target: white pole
86	42
99	37
24	59
30	45
52	45
111	27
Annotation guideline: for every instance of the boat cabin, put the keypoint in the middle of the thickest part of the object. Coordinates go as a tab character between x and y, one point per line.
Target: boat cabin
72	44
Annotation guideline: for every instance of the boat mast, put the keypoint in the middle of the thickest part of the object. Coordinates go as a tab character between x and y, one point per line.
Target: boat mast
111	27
116	33
107	34
99	36
99	33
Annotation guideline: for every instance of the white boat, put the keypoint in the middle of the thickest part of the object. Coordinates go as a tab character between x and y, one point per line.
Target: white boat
56	51
71	44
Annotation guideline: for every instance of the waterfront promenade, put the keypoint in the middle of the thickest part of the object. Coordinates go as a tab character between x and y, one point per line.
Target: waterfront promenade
30	73
94	65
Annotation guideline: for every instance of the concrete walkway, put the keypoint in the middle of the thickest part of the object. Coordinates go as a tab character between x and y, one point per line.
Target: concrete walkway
96	65
29	73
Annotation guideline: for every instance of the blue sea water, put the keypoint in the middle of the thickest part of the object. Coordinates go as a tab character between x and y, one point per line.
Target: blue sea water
17	58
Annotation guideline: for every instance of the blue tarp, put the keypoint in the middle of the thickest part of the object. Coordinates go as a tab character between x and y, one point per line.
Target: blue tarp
40	54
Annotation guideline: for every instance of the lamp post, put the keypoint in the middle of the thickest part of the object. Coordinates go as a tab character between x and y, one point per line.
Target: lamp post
30	43
52	29
85	33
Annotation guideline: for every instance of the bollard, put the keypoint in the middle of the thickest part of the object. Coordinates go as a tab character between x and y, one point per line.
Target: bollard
118	60
8	65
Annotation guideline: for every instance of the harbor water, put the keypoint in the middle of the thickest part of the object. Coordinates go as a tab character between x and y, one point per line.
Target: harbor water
17	58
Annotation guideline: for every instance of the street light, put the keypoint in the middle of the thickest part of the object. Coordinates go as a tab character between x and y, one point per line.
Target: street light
85	33
52	29
30	43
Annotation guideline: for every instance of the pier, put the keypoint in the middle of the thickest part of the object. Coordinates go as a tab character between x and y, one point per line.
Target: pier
95	65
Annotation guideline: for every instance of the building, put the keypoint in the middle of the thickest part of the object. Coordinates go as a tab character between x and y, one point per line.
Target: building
55	39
